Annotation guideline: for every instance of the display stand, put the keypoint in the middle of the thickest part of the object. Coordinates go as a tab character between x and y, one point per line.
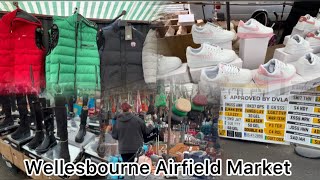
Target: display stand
30	153
91	152
17	144
285	57
9	129
53	153
253	52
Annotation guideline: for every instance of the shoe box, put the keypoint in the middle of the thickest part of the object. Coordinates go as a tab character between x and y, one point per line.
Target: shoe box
287	58
196	72
253	52
180	75
316	49
186	19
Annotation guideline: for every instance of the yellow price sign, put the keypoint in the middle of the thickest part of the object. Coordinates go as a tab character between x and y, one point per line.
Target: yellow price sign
220	122
221	113
318	99
275	112
271	138
220	126
316	110
315	131
274	118
316	120
234	114
222	132
254	130
274	132
318	88
275	125
254	111
315	141
233	109
253	120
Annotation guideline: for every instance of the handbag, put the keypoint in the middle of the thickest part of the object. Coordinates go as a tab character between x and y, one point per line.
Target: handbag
195	107
183	105
200	100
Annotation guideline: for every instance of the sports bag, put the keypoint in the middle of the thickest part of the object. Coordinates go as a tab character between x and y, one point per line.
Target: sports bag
200	100
183	105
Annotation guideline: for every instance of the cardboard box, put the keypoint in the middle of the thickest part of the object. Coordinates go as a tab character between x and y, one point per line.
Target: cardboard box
253	52
6	150
285	57
18	157
186	19
176	46
196	72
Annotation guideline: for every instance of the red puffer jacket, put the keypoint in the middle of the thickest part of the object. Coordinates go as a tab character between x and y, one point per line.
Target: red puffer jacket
21	54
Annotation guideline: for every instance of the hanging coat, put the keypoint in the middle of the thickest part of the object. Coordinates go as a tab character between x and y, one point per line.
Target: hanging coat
73	62
121	60
21	54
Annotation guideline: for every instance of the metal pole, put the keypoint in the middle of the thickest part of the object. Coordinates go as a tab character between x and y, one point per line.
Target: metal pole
228	14
169	117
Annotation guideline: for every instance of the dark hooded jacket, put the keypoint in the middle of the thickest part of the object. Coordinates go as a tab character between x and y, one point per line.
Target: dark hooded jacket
129	130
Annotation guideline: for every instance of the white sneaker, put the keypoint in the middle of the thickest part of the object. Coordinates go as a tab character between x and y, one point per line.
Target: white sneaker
253	29
297	44
308	65
211	34
314	38
167	64
234	75
307	23
274	71
209	55
150	44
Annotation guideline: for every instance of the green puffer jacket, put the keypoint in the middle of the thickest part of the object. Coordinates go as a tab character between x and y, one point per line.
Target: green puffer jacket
73	62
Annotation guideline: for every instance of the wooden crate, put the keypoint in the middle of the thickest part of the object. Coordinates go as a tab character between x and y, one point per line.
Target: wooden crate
18	158
6	151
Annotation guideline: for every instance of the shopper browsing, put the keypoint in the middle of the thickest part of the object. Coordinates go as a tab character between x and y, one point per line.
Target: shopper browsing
129	130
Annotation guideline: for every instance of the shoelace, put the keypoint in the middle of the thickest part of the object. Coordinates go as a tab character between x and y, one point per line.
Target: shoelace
214	48
230	69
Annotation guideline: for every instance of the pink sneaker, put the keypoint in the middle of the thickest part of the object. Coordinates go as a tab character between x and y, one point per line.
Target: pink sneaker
274	72
253	29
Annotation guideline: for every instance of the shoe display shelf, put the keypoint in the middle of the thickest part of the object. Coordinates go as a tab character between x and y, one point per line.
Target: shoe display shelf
90	151
73	128
8	130
253	52
17	144
287	58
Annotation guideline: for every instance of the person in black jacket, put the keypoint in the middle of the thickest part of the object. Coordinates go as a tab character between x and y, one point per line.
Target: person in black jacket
129	130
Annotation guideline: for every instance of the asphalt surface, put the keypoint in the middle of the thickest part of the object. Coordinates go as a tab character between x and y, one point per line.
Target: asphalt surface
302	168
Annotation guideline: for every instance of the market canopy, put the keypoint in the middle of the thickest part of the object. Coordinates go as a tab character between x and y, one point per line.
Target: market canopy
136	10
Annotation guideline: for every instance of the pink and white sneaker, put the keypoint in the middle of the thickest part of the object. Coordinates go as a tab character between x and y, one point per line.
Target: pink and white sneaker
314	38
307	23
253	29
274	72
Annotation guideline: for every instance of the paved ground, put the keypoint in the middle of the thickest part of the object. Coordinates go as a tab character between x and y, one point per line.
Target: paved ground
303	169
